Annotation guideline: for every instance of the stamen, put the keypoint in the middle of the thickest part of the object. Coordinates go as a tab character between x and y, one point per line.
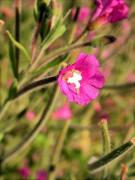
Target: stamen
76	77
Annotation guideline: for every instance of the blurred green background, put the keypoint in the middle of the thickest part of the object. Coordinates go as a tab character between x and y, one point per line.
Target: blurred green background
84	138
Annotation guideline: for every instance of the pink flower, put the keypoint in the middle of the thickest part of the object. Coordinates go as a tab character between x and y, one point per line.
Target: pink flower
42	175
24	171
110	11
81	81
30	115
63	113
83	15
131	77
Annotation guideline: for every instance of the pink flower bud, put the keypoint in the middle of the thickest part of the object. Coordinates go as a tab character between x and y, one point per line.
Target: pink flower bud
110	11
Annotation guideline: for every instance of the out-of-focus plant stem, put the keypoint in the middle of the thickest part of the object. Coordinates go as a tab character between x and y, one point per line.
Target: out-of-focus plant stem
4	109
34	40
59	146
33	133
17	31
120	86
105	136
106	143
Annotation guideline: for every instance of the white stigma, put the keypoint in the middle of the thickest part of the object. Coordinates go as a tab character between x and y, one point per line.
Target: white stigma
75	79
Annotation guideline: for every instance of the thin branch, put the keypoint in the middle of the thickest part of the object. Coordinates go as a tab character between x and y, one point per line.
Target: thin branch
120	86
34	85
40	83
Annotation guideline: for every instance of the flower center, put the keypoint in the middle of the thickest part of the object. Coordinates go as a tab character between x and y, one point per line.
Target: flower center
75	79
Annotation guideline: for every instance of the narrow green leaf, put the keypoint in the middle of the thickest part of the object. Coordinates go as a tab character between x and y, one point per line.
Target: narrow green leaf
12	59
105	160
18	45
54	34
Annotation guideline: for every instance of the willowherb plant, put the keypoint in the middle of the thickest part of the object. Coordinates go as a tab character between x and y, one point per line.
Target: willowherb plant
58	71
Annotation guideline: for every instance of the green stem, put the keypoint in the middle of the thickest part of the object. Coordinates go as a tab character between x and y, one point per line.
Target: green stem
33	133
4	109
106	144
105	136
34	40
59	147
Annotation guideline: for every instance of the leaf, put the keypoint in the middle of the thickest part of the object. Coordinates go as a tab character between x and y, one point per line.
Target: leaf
105	160
12	91
18	45
57	31
12	59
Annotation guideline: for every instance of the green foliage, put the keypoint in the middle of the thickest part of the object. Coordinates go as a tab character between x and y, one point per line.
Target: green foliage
19	46
29	134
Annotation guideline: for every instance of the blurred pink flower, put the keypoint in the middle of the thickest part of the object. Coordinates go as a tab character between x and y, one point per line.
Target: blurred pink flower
83	15
24	172
62	113
91	35
30	115
41	175
7	12
81	81
131	77
110	11
106	53
126	27
108	69
9	83
97	107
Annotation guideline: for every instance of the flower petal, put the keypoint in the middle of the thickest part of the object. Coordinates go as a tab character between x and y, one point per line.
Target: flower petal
87	64
97	80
